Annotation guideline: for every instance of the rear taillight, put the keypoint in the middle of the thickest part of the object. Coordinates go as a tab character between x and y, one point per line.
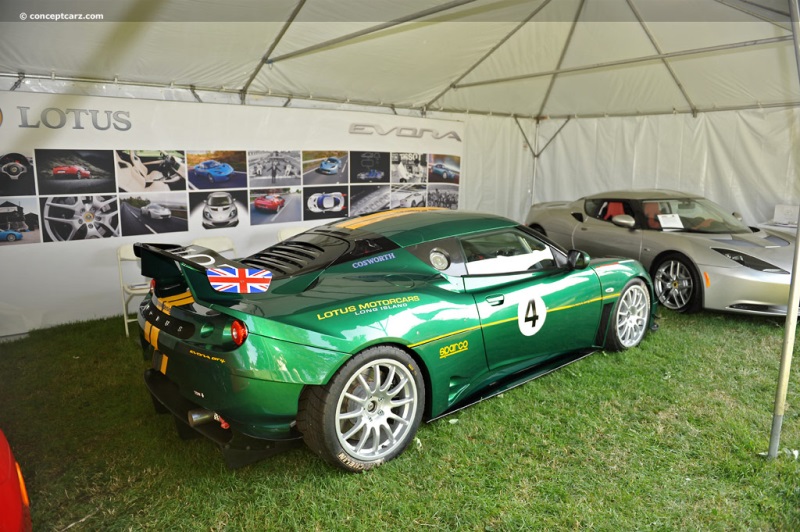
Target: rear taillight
153	286
238	332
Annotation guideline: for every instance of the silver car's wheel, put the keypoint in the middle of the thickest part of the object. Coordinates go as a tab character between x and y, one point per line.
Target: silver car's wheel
677	284
631	317
369	411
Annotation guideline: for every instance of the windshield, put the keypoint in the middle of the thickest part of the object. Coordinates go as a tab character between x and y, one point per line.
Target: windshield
219	201
695	215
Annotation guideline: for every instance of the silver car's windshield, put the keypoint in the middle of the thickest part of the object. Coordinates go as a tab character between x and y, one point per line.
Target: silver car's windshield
696	215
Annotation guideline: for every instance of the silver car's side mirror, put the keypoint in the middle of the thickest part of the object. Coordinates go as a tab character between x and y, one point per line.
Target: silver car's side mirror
577	260
624	220
737	216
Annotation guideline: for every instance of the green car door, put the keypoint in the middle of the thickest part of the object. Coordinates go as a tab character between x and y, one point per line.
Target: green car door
530	305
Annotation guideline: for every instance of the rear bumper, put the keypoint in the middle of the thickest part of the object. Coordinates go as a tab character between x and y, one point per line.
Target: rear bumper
238	449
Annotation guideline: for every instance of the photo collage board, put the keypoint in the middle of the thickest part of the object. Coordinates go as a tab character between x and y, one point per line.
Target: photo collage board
56	195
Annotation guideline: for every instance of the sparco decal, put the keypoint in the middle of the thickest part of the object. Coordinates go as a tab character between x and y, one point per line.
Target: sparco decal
412	132
55	118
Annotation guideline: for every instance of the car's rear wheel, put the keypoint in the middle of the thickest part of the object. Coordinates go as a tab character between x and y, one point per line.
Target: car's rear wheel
677	283
630	317
368	412
11	237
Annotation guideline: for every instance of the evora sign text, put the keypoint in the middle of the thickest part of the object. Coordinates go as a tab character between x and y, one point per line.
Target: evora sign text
411	132
55	118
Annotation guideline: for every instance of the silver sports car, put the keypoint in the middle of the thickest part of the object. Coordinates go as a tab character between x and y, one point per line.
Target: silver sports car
698	255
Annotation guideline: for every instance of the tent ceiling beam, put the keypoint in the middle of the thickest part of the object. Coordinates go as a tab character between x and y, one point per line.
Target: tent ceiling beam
786	14
563	55
489	53
633	61
194	93
537	155
18	82
271	49
395	107
658	50
785	27
373	29
524	136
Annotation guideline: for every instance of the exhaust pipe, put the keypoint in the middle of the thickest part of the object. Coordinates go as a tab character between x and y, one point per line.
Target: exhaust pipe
200	416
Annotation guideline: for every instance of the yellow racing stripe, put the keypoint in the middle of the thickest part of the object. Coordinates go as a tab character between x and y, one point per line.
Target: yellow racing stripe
363	221
506	320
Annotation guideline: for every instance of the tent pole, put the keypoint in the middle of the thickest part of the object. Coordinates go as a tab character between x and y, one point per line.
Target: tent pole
794	299
535	160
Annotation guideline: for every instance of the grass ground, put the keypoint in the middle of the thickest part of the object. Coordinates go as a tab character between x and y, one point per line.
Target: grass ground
665	436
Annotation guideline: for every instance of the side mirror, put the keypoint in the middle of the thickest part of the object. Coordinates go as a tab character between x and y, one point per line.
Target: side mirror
624	220
577	260
737	216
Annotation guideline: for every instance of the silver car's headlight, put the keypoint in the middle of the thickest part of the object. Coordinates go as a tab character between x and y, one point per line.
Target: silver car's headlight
749	261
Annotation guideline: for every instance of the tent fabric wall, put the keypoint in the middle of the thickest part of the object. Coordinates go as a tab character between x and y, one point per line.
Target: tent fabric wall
744	160
498	166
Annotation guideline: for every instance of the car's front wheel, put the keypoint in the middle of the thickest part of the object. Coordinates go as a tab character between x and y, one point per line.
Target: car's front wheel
368	412
630	317
11	237
677	284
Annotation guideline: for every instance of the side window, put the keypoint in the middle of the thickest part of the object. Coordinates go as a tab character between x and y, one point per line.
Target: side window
605	209
593	206
506	252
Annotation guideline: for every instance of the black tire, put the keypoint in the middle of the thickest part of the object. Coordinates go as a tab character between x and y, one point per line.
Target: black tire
630	317
10	237
677	283
355	427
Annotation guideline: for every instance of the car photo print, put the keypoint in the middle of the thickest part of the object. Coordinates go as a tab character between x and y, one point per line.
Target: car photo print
349	335
213	171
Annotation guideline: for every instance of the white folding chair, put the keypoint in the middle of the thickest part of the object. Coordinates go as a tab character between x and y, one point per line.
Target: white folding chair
130	290
220	244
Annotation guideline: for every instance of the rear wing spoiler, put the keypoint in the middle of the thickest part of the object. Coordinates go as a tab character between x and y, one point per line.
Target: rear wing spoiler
177	268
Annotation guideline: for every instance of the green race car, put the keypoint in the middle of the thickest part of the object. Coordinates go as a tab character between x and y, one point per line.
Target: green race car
348	335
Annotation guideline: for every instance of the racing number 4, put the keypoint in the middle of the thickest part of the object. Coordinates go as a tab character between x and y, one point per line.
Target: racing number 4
531	315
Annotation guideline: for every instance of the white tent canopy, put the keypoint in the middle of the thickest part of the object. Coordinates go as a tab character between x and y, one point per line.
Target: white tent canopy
527	58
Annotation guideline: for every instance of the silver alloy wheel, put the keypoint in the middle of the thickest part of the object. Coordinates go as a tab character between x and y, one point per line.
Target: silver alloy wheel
632	315
375	412
673	284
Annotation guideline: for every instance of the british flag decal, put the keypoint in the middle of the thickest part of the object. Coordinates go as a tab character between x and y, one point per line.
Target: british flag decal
239	280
